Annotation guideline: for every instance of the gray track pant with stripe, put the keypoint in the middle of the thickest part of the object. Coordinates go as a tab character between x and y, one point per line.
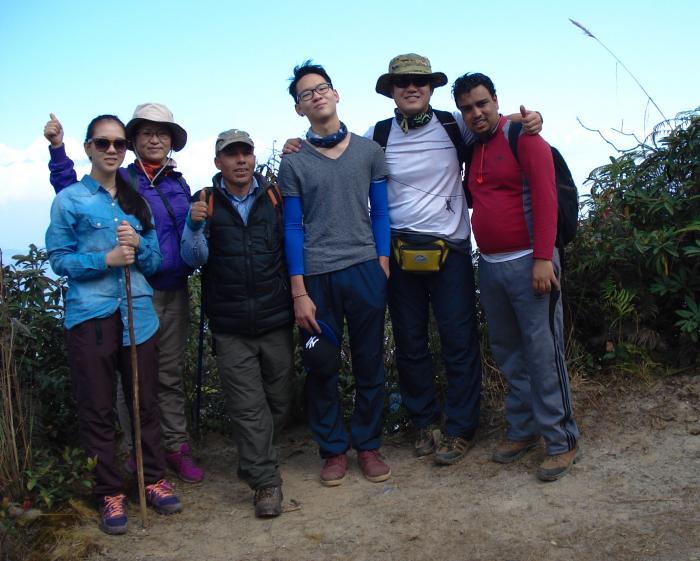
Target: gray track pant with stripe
527	342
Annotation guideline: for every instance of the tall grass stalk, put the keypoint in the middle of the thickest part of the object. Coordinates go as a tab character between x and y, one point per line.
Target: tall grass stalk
15	446
589	34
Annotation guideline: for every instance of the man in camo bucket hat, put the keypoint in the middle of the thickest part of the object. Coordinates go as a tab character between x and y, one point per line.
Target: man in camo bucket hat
153	135
427	208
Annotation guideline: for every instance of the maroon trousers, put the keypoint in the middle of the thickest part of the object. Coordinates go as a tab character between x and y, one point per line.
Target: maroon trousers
96	356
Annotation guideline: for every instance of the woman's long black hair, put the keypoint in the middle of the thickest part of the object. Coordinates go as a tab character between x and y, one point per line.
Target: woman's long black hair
130	201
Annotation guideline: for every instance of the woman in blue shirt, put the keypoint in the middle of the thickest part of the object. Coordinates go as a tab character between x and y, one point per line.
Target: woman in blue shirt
99	226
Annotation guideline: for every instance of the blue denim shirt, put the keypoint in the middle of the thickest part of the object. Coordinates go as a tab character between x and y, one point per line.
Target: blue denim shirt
83	229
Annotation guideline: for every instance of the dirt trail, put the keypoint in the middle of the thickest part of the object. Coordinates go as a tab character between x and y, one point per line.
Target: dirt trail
634	496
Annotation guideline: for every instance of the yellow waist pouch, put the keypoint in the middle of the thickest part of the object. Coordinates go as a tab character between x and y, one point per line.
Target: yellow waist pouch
420	258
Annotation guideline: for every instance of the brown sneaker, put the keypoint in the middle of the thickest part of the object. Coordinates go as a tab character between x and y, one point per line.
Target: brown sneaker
452	449
334	470
373	467
427	440
557	465
511	450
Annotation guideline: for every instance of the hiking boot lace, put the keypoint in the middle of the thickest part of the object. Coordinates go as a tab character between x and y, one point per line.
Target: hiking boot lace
114	506
160	490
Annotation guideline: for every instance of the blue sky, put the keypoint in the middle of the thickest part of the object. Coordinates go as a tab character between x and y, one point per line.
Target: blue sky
219	65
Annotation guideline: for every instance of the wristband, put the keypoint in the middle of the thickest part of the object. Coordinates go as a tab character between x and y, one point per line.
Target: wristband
300	295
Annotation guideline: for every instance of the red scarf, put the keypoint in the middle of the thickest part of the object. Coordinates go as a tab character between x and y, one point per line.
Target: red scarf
152	169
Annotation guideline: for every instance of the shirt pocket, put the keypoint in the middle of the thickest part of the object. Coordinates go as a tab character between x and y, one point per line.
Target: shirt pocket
99	233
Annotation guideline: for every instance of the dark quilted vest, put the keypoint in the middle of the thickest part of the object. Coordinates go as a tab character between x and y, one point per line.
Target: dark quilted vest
245	280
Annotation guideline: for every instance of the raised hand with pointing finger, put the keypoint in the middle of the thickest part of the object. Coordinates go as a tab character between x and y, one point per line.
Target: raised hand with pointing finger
53	131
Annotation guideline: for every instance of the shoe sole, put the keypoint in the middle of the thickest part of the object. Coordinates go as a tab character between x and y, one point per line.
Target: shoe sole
114	530
515	457
422	452
332	482
268	514
548	478
378	478
167	510
442	461
188	480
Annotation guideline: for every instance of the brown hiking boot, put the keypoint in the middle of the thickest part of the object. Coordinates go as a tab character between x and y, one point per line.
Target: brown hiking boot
334	470
511	450
427	439
452	449
557	465
373	467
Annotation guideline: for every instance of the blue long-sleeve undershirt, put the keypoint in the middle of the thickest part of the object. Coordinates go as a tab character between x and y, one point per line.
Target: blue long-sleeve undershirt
379	214
294	230
293	236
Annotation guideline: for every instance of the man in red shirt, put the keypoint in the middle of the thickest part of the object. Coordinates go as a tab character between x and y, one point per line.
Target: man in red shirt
514	223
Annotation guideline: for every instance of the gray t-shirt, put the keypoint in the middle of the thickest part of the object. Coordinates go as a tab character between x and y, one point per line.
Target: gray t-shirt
334	198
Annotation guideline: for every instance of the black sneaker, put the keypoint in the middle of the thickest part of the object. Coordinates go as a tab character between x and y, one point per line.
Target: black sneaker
452	449
426	441
268	502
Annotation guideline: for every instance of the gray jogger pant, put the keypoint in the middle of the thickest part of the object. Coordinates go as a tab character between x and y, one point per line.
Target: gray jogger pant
527	342
256	376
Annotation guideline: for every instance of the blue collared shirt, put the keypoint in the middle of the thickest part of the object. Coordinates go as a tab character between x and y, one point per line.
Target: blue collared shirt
242	204
83	229
194	249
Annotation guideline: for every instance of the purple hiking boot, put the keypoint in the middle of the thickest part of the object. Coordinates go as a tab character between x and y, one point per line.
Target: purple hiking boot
182	464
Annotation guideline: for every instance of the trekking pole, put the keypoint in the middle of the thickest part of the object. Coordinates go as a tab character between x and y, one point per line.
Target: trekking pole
135	392
200	342
200	362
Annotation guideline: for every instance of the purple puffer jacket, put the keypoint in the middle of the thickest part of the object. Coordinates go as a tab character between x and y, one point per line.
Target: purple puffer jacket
173	272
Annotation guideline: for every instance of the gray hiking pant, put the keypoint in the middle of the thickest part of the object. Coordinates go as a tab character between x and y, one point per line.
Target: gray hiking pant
527	343
173	309
256	376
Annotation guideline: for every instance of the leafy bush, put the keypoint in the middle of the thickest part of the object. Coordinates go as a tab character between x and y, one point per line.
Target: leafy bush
41	460
634	270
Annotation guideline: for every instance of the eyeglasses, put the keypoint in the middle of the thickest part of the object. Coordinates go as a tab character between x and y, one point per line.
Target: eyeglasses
407	80
321	89
162	134
103	144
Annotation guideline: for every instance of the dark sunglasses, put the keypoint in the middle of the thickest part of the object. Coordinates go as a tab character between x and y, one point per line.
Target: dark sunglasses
407	80
103	144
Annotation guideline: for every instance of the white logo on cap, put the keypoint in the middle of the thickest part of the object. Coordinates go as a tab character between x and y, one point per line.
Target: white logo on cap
311	343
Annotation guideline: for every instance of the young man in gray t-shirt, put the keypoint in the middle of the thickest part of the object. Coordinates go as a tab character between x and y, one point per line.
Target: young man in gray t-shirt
338	259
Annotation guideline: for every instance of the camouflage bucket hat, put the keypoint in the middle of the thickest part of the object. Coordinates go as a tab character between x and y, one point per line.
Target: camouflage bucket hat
408	64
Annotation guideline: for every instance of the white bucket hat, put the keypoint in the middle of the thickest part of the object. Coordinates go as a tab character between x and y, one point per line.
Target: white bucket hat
157	113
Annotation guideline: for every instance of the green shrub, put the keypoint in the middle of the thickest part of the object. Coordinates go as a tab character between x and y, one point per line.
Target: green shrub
634	269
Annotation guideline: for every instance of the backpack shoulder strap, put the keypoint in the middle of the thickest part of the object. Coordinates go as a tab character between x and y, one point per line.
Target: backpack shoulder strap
381	132
451	127
275	195
513	134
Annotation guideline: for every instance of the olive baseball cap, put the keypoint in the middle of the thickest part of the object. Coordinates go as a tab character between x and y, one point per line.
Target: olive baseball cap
232	136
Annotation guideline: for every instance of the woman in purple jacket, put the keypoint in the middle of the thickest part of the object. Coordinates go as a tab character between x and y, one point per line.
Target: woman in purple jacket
153	135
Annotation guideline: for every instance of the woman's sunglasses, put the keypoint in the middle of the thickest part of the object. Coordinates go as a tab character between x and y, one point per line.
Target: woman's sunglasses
103	144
